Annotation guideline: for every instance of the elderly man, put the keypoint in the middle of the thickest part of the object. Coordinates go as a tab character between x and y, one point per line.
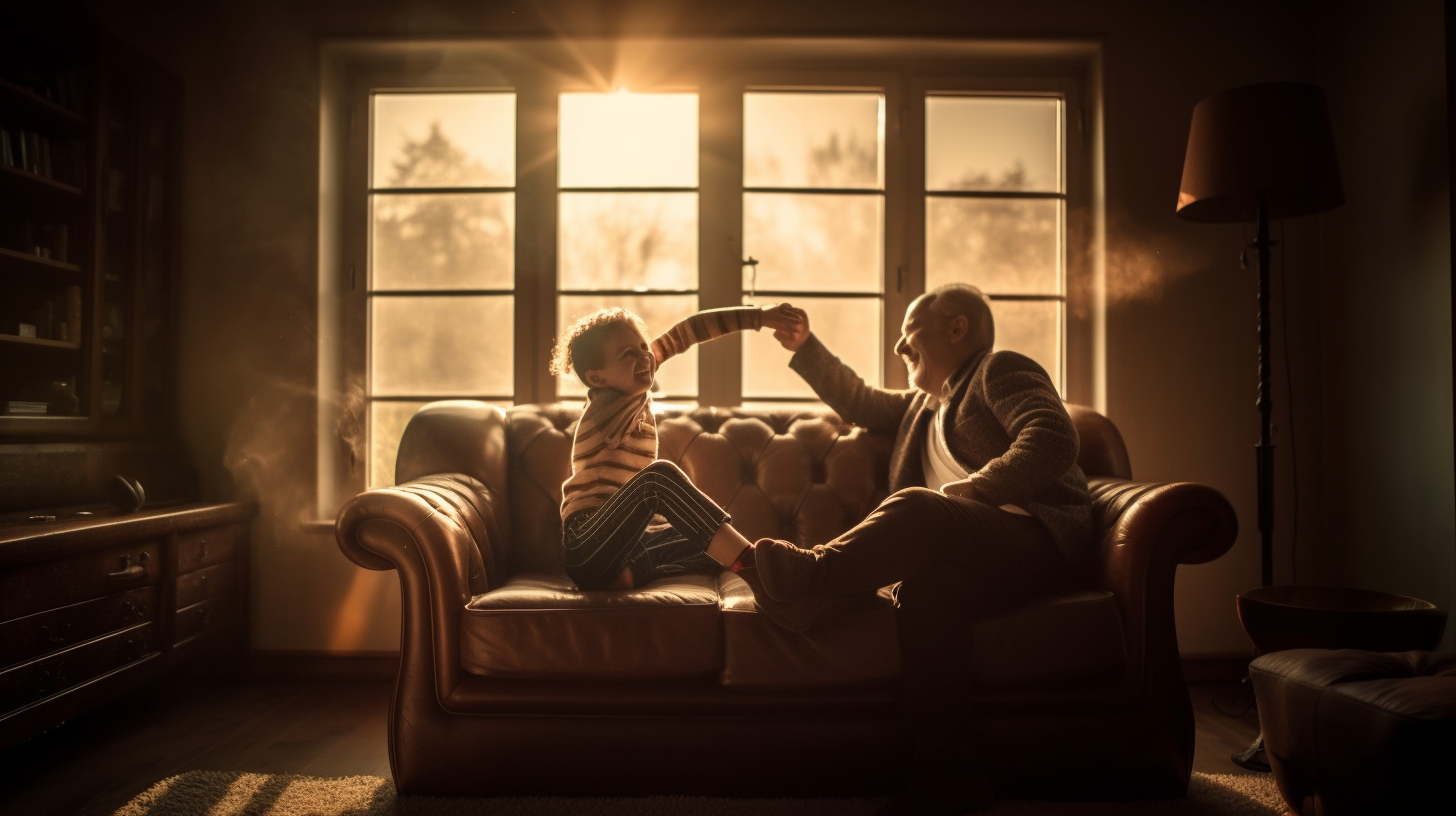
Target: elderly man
987	508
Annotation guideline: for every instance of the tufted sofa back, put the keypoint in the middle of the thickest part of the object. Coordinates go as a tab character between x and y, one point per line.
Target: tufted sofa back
801	475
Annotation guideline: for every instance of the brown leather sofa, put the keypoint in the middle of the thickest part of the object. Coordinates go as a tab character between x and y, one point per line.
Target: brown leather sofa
514	682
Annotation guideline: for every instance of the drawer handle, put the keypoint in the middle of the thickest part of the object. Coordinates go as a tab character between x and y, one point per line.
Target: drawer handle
130	570
54	637
133	610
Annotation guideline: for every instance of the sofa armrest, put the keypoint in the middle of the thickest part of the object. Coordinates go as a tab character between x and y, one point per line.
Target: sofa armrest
1147	530
439	532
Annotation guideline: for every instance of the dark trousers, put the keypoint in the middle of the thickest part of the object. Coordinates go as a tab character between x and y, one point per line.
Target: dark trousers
955	560
621	535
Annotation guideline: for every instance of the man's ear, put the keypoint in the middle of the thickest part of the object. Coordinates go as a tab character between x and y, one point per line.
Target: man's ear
960	325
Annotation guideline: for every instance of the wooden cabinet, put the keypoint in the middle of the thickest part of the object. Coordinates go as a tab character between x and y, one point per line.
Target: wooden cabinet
92	606
86	207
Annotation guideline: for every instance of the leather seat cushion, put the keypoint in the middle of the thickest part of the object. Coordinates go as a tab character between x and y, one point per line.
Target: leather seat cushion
540	626
857	648
1072	636
1350	731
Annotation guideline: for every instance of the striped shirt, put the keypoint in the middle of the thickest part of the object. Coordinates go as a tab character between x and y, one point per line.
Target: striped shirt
616	436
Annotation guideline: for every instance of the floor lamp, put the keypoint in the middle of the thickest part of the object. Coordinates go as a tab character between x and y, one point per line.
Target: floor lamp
1255	153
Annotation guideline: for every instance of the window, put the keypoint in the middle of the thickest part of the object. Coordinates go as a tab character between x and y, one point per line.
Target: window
814	227
995	204
441	257
508	188
628	216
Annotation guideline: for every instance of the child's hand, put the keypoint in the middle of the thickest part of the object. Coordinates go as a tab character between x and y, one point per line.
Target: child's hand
790	325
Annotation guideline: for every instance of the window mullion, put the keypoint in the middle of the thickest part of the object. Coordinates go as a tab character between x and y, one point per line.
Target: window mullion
536	229
720	238
904	219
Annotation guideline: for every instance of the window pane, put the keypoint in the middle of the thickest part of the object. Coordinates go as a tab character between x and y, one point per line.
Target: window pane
442	241
444	140
1034	328
849	327
678	377
629	140
993	143
814	242
438	346
386	425
628	240
814	140
1002	245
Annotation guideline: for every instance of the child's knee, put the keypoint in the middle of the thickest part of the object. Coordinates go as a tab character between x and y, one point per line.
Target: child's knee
663	467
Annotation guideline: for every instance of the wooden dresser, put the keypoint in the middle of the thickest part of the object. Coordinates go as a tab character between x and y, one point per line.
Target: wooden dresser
95	605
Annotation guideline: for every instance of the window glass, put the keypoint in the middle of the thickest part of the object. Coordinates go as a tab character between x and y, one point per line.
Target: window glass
628	140
849	327
628	241
439	346
797	140
814	242
443	140
423	241
1033	328
991	143
387	420
1002	245
796	143
432	228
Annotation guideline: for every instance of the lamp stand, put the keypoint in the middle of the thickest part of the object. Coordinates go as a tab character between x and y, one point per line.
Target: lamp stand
1253	757
1264	451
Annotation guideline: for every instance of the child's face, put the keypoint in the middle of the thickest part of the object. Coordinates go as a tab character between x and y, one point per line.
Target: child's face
628	364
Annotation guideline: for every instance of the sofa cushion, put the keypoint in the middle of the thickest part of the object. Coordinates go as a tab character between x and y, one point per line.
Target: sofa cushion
540	626
1076	635
857	648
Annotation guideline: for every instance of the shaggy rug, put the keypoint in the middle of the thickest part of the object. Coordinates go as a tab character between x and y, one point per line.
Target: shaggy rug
218	793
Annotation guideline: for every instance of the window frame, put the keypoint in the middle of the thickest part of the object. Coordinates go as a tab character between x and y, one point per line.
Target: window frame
719	71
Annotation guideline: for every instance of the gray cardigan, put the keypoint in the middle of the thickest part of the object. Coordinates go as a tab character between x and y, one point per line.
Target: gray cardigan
1006	424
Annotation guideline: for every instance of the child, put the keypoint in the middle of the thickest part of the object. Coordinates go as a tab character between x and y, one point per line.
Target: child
617	483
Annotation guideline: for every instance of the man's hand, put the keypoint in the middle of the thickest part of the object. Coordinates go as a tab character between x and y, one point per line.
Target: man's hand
790	325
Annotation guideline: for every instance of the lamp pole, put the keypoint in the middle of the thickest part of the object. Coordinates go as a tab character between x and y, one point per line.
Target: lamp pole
1264	451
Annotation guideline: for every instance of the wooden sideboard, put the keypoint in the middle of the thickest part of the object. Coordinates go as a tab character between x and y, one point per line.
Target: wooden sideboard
93	605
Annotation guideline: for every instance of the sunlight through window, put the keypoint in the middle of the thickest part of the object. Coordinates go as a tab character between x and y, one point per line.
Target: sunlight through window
995	210
814	219
441	277
627	216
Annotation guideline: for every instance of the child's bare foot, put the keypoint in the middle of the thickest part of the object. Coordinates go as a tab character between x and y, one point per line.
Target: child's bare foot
624	581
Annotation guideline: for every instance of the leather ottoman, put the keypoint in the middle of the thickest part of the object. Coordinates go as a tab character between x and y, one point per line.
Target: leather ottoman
1355	732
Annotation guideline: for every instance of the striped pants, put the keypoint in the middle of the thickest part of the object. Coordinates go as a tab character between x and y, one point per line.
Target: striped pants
600	543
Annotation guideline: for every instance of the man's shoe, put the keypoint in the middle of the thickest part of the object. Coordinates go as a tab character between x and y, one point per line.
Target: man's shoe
942	791
787	571
796	616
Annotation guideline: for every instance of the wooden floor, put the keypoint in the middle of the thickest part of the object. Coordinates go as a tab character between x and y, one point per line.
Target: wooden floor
98	762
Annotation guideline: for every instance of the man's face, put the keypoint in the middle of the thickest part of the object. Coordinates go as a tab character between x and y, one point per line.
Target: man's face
928	346
628	365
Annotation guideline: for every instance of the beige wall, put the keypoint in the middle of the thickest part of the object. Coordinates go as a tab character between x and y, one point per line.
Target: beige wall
1371	366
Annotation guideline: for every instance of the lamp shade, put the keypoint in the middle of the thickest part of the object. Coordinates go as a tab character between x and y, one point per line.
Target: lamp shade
1269	141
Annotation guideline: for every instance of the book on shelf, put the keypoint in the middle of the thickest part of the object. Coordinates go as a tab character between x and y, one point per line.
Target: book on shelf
73	314
32	407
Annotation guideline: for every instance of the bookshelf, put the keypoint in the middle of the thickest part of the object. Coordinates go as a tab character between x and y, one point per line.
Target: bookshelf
86	232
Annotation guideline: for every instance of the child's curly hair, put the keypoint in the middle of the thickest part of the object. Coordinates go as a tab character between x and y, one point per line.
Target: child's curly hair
584	345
